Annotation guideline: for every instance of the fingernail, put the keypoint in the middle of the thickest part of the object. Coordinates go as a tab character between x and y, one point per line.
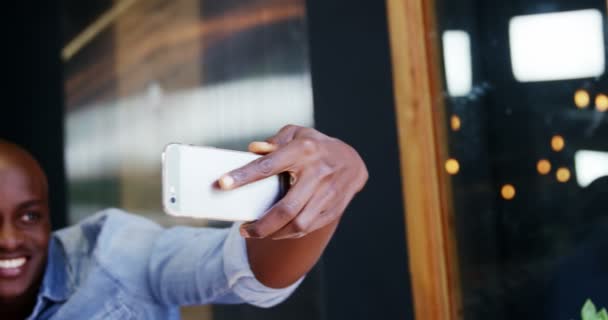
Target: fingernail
243	229
226	182
250	231
262	146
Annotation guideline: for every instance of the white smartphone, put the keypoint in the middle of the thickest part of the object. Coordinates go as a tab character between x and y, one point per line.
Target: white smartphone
189	183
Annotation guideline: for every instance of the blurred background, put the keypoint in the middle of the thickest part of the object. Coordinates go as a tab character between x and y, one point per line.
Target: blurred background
96	89
526	103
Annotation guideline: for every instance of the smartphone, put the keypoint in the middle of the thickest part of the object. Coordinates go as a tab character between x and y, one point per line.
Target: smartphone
190	189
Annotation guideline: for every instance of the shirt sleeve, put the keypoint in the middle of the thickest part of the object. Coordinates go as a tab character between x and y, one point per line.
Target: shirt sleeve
241	278
193	266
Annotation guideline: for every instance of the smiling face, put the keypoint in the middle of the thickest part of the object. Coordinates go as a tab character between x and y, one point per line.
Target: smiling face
24	223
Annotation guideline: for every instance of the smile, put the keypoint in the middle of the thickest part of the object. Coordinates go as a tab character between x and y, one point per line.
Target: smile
12	263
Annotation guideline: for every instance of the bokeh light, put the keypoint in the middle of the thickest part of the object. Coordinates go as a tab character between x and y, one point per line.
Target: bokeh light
455	123
601	102
581	99
563	174
507	192
558	143
543	166
452	166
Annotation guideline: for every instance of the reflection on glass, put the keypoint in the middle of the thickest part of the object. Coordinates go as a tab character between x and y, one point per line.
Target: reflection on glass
455	122
581	99
563	175
507	192
142	74
532	215
590	166
452	166
457	60
558	143
557	46
543	166
601	102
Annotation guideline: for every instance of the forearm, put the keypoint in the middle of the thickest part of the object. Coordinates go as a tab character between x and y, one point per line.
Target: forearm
326	174
279	263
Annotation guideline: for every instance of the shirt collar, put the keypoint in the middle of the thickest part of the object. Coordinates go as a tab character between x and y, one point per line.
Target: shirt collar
56	285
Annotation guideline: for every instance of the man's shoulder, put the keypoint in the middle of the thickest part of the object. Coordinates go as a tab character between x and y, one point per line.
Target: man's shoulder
116	241
114	214
111	220
108	234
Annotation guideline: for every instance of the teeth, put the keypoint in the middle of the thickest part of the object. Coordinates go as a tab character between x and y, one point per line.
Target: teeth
12	263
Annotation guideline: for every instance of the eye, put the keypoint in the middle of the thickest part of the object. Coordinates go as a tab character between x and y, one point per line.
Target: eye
30	216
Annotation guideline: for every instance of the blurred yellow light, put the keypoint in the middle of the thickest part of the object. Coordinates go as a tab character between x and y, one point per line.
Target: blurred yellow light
581	99
543	166
557	143
601	102
507	192
563	174
455	123
452	166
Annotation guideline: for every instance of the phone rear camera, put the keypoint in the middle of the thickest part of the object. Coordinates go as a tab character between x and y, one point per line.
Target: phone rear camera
172	199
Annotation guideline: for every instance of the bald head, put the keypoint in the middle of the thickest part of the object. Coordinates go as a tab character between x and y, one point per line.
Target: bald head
14	158
25	221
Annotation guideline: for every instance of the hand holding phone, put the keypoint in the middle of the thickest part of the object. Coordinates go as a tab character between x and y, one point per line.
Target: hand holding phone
325	174
189	183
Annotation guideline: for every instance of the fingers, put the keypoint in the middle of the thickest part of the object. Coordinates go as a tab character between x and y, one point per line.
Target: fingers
262	147
284	136
319	221
313	216
271	164
331	214
328	173
282	212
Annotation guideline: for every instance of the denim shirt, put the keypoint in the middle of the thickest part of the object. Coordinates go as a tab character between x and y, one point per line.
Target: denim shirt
115	265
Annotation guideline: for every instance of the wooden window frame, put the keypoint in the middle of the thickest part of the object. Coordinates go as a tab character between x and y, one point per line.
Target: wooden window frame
421	123
420	113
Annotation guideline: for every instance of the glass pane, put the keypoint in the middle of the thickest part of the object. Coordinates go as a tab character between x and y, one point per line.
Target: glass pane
526	102
141	74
